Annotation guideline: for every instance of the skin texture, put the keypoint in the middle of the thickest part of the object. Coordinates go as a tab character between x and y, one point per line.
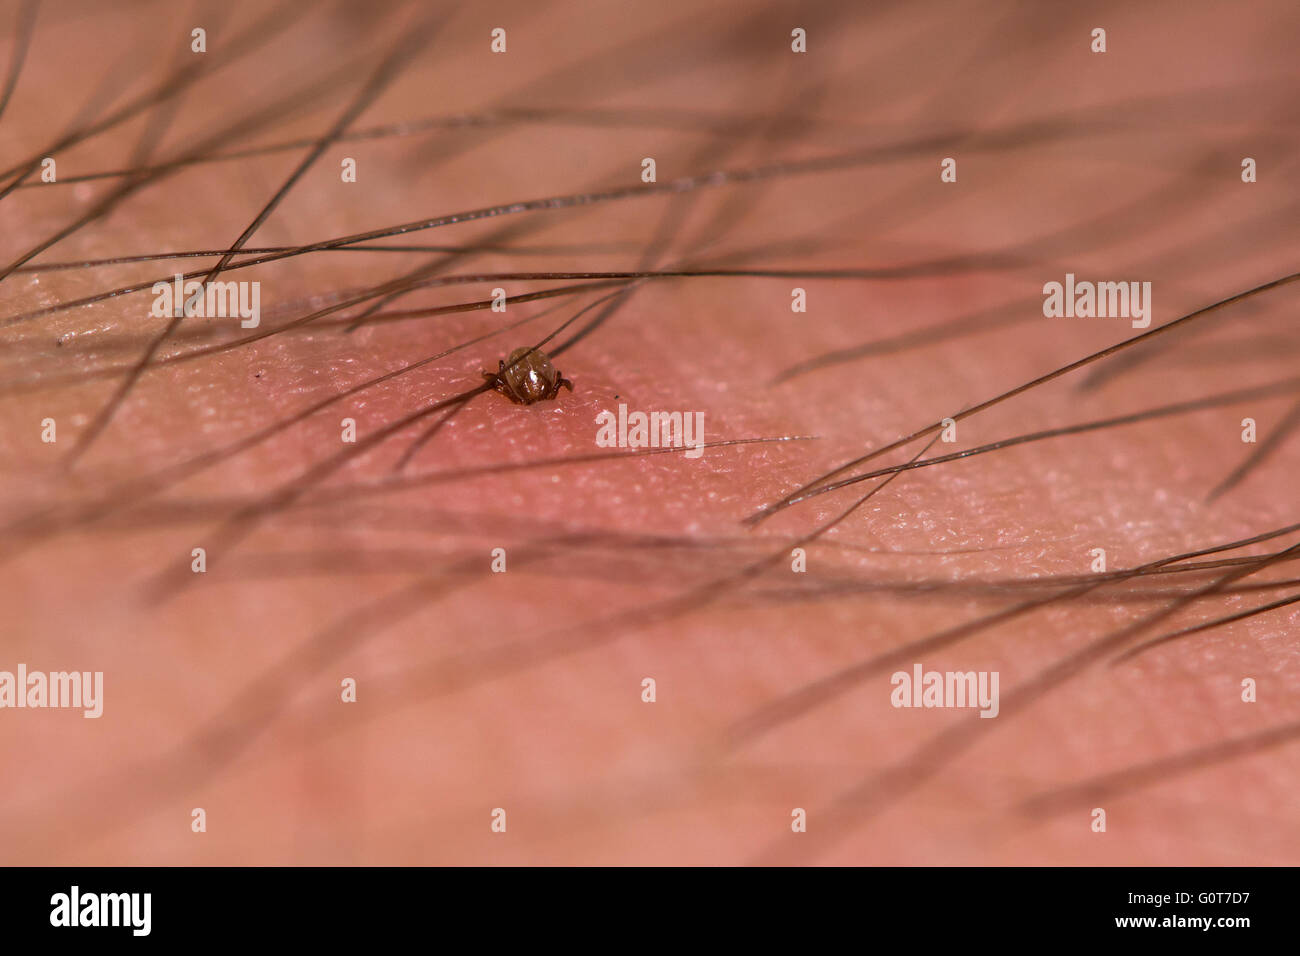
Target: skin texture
523	690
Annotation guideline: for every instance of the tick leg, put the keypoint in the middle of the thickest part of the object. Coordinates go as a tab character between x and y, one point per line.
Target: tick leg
554	388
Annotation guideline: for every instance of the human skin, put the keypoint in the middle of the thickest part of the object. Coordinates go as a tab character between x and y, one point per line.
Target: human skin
523	690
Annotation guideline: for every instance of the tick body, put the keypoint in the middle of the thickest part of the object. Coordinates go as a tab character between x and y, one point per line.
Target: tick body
527	376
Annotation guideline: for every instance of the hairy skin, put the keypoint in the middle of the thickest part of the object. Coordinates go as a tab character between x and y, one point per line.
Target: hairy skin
523	690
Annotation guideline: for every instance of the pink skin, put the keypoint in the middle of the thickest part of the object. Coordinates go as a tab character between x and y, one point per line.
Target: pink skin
523	690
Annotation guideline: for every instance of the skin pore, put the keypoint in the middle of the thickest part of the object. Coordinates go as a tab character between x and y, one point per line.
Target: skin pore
522	690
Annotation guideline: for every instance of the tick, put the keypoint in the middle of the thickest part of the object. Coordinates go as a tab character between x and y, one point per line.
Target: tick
527	376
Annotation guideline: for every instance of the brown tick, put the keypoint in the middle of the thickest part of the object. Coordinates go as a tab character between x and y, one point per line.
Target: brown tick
527	376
